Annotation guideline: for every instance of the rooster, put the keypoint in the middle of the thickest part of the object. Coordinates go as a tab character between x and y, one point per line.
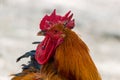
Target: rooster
62	55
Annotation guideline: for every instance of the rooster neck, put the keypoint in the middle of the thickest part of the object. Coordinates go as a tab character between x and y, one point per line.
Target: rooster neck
73	61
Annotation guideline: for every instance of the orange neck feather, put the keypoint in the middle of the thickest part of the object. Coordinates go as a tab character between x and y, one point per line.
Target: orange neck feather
73	61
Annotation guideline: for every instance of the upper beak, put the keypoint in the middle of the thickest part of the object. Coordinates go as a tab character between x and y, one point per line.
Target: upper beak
41	33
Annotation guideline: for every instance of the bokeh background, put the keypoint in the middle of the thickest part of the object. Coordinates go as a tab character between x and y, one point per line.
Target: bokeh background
97	22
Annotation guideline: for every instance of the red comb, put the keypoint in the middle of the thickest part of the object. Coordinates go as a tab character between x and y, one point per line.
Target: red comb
48	21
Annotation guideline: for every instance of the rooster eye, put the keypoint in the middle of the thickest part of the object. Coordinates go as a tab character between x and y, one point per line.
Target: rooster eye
55	31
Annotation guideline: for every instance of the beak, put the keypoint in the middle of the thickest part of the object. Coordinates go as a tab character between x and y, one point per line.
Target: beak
41	33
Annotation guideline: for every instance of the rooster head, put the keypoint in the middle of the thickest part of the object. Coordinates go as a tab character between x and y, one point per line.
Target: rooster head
53	28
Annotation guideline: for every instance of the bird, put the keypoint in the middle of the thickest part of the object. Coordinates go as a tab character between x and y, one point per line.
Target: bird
62	55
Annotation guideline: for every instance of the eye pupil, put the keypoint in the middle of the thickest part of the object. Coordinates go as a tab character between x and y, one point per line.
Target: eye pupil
55	31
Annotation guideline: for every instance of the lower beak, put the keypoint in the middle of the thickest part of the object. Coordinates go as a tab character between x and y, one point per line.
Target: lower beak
41	33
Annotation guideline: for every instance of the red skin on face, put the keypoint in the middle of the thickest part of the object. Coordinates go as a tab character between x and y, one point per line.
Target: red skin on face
47	48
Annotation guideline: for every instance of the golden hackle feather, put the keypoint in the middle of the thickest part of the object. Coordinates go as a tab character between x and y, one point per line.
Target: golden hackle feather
73	60
28	74
49	72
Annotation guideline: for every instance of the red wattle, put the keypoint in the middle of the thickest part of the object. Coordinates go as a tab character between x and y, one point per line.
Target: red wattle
45	50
